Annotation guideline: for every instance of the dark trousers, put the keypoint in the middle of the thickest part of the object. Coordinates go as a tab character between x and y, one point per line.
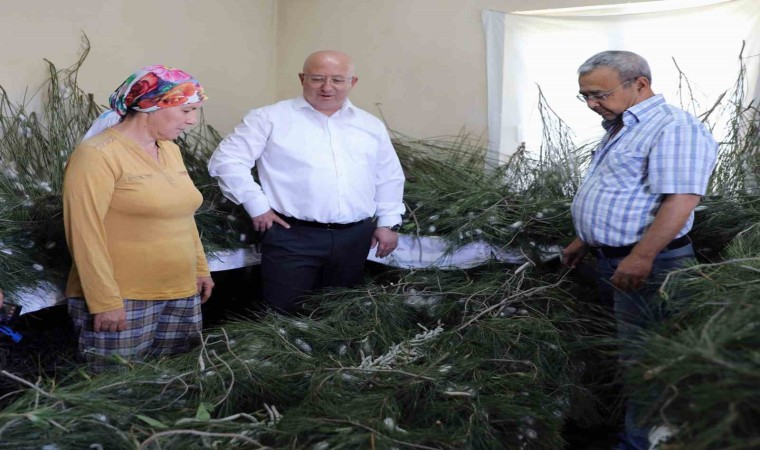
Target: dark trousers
636	311
302	259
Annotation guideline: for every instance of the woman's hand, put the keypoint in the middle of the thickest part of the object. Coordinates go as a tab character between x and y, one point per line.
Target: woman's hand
205	285
115	320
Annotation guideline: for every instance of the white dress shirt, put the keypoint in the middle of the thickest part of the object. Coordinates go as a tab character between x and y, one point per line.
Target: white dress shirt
331	169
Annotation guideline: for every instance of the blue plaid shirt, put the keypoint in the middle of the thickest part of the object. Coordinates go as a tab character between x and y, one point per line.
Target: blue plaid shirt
659	150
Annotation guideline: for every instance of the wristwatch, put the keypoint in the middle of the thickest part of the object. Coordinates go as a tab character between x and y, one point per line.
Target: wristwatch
393	228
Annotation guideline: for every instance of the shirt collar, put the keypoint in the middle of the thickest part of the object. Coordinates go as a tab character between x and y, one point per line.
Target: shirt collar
636	113
643	110
300	102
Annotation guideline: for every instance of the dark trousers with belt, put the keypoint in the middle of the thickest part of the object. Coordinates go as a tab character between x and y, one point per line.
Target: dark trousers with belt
635	312
308	257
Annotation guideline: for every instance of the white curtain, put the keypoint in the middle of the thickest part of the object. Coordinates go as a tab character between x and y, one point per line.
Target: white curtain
544	48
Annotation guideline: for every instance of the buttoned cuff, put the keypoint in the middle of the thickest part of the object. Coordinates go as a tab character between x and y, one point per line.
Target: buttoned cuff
257	207
388	221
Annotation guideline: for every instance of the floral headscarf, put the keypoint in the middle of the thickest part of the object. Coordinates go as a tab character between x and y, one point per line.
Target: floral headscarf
149	89
155	87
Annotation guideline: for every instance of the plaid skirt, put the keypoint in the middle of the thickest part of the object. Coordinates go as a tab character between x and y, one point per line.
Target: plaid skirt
154	328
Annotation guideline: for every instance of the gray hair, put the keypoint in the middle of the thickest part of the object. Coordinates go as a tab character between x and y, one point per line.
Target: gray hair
628	65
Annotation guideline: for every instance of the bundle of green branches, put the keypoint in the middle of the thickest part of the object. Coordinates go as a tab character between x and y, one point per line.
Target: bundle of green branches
34	148
454	192
33	154
733	203
738	166
704	362
431	360
721	218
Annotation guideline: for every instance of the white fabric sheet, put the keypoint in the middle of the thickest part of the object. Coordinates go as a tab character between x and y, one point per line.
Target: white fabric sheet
545	48
430	252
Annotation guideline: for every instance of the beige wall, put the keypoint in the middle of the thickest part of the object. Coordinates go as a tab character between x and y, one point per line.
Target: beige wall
229	45
423	60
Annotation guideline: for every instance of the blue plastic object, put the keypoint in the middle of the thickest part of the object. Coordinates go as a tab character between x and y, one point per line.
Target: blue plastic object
12	334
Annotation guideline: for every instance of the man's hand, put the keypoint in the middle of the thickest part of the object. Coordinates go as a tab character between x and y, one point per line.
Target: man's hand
264	221
205	285
385	240
2	296
631	273
574	253
115	320
634	269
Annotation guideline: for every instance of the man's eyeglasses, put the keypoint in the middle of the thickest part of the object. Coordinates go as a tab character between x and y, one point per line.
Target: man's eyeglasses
319	80
600	97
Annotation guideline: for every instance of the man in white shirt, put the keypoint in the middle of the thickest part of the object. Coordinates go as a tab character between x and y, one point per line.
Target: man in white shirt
331	183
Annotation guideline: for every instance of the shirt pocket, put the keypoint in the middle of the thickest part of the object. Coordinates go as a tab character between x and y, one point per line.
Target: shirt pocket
361	148
135	181
182	179
624	169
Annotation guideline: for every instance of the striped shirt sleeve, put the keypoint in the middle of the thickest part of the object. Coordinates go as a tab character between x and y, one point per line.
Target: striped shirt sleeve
682	160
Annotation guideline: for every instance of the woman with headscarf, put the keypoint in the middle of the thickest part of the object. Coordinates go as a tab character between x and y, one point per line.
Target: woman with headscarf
139	272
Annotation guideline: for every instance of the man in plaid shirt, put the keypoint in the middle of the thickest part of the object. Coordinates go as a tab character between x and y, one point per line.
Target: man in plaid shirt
636	205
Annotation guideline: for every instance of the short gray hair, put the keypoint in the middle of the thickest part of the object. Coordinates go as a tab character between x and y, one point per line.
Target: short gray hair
628	65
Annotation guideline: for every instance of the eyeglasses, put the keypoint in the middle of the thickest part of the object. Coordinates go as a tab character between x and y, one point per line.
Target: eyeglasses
319	80
600	97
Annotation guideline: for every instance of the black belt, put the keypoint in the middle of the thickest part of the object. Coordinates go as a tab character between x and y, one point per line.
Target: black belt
604	251
320	225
